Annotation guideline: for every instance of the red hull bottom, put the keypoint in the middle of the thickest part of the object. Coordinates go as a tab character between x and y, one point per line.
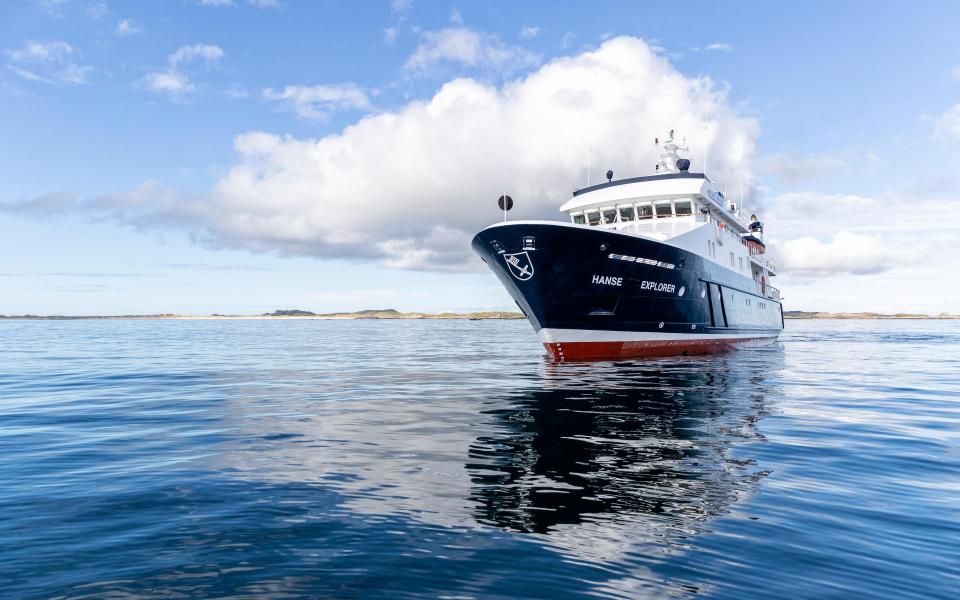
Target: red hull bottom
567	351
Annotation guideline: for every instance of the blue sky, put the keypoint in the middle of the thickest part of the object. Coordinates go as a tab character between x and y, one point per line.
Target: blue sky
161	157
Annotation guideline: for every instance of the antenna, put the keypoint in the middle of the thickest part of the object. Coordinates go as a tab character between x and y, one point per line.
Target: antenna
589	161
706	142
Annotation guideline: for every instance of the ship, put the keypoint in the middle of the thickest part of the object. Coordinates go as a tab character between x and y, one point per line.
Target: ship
656	265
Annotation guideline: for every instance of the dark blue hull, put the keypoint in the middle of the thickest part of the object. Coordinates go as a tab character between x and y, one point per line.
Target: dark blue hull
594	293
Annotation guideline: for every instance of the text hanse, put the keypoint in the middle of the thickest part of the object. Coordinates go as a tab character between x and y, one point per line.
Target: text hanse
608	280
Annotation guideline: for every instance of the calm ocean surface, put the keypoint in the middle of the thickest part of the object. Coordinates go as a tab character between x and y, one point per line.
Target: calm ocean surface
282	459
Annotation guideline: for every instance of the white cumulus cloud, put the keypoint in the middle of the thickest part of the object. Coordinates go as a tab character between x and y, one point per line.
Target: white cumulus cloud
55	63
866	252
847	252
528	33
209	54
318	101
97	10
813	235
795	214
174	81
128	27
719	47
462	46
947	126
410	187
167	82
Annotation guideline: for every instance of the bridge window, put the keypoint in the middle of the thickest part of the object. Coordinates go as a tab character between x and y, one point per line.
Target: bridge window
684	208
741	262
626	213
579	219
609	215
664	209
644	211
593	217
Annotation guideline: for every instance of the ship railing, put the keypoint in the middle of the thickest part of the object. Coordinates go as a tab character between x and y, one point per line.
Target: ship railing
768	291
762	261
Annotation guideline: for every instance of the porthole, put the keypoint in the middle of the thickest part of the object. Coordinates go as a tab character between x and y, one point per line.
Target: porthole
682	291
703	292
603	247
661	325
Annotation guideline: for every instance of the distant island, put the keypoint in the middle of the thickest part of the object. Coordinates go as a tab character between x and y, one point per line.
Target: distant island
800	314
386	313
393	314
390	313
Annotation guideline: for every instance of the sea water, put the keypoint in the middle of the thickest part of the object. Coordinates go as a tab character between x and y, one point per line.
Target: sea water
283	459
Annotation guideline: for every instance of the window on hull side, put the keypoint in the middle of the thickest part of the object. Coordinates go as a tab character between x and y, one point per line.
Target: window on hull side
732	265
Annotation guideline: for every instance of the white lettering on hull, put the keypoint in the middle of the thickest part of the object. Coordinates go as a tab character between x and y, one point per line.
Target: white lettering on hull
655	286
608	280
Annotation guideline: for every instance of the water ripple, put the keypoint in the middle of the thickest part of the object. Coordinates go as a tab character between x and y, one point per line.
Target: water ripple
351	459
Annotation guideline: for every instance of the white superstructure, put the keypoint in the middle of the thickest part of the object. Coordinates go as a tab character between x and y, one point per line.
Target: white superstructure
682	209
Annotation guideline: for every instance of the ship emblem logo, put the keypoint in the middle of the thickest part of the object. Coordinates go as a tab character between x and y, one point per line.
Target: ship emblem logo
520	265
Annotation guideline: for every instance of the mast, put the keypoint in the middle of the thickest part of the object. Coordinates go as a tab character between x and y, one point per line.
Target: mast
669	154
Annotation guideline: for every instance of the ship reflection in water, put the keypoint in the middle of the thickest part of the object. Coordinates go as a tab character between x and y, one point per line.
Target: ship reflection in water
609	455
447	459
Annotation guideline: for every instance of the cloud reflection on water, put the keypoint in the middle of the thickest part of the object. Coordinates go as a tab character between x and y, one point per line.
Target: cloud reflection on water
598	459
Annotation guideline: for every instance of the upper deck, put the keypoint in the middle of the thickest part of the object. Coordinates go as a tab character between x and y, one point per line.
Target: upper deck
654	197
679	206
644	179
